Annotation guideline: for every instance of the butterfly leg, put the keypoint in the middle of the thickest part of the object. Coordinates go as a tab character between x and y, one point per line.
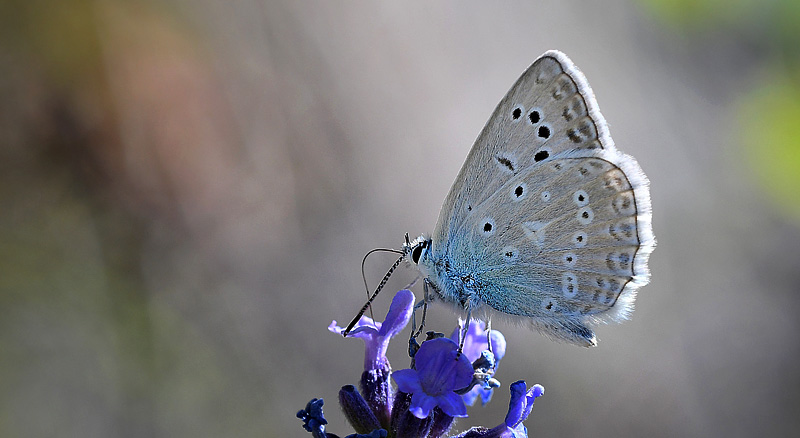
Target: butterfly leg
462	334
413	282
413	345
489	334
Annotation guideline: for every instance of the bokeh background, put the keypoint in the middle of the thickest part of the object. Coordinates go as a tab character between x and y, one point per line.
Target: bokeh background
187	188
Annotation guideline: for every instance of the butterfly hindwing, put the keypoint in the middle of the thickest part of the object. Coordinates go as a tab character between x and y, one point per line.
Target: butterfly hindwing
565	247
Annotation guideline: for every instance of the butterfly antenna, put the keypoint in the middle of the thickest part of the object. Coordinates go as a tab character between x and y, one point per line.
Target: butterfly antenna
364	275
377	289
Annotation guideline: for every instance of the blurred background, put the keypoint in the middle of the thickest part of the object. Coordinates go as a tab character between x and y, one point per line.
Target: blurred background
187	189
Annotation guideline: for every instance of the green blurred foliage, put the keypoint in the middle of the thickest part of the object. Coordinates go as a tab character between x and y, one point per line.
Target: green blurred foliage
778	20
769	120
61	37
770	111
697	14
78	325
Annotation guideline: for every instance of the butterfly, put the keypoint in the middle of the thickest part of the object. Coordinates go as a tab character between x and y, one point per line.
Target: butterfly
547	223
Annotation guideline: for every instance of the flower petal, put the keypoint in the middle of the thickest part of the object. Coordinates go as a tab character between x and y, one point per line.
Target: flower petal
517	405
474	341
407	381
498	344
452	404
434	351
520	431
422	405
535	391
486	395
441	369
335	328
519	408
399	313
471	396
462	372
364	328
364	332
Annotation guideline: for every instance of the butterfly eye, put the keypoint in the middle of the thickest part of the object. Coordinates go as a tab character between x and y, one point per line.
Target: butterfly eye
534	117
416	253
516	113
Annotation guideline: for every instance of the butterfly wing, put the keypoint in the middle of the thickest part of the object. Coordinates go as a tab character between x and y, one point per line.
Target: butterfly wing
546	220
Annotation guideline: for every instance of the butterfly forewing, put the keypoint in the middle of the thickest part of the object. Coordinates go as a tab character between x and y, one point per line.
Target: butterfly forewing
543	114
547	218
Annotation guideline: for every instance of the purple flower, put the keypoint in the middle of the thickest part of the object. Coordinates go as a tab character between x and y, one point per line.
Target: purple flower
313	420
376	335
475	345
440	370
519	408
375	385
428	396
